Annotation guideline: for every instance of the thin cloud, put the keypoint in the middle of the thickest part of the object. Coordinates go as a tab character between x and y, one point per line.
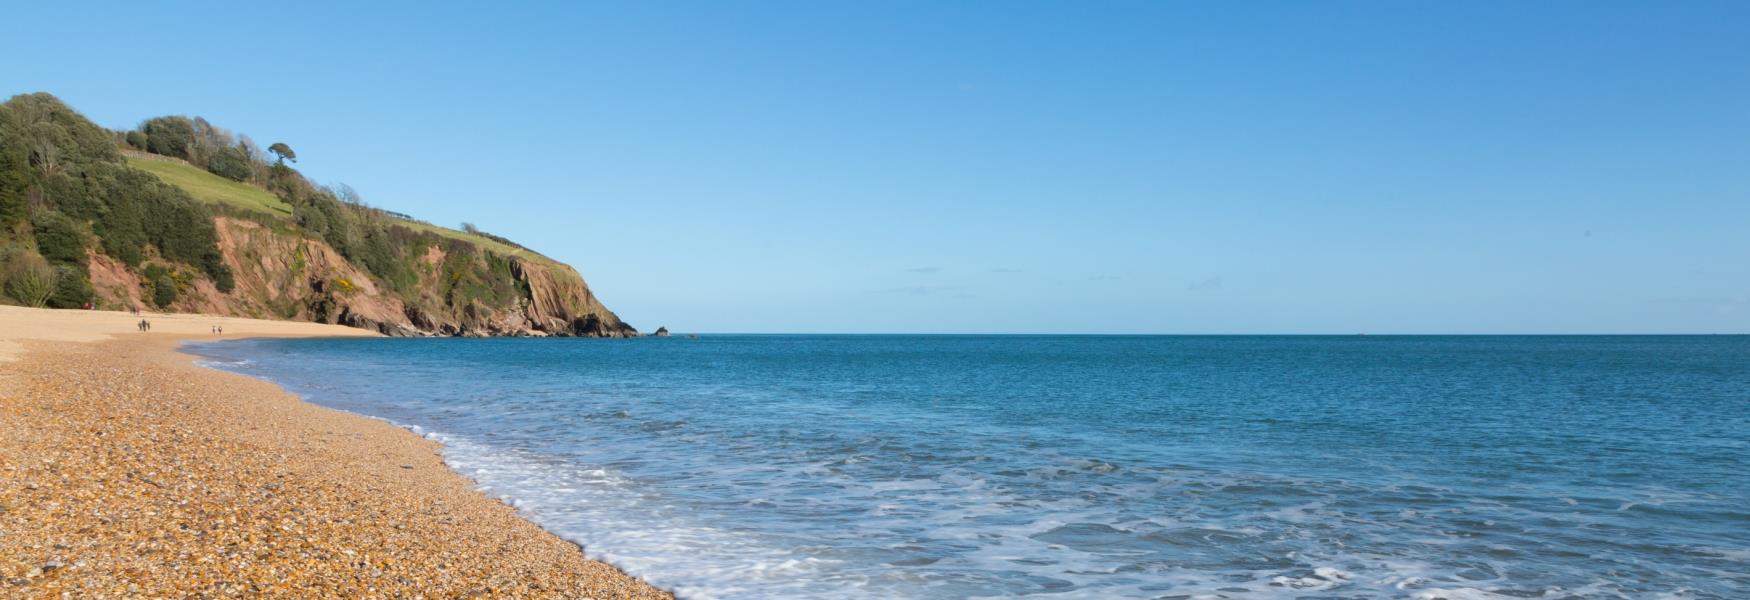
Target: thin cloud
1007	270
924	270
1213	283
957	291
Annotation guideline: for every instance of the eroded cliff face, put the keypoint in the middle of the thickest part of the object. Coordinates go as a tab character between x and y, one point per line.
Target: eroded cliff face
280	275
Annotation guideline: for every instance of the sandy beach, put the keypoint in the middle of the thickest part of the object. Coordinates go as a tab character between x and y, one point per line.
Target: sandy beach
127	471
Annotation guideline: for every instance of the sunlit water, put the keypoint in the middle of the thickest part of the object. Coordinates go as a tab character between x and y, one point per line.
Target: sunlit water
1091	467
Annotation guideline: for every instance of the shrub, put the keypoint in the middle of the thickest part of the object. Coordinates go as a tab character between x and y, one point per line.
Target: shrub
72	287
163	291
28	279
224	280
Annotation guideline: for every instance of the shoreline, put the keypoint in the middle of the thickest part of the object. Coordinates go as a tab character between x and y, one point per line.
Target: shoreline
127	469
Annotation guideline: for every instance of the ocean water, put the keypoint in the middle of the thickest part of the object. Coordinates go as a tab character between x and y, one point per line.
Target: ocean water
1090	466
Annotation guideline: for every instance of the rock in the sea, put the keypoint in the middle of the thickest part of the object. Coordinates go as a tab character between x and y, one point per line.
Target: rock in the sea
661	332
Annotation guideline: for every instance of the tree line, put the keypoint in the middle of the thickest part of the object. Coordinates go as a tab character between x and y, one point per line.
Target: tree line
193	139
65	191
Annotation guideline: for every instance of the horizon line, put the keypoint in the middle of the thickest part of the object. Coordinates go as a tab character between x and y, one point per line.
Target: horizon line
673	333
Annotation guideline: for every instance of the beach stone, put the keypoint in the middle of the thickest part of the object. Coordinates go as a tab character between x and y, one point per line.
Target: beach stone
210	484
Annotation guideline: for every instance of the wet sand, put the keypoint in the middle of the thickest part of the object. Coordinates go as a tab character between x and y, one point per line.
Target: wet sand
127	471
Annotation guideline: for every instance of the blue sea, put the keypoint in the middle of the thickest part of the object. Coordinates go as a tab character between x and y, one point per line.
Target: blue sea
777	466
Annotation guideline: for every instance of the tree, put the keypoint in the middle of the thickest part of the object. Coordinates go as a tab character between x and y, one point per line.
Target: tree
254	156
76	140
283	151
345	193
209	139
29	279
229	162
470	228
46	143
250	150
169	136
58	238
11	205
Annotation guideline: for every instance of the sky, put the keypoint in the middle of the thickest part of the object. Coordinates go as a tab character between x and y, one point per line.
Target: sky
1005	167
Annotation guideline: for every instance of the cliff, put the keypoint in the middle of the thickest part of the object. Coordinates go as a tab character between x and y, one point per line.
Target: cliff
279	275
104	222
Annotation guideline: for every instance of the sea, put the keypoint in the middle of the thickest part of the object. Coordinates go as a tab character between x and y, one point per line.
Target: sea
949	466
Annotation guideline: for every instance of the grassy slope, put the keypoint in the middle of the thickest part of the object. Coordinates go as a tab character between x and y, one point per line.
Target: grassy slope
483	242
213	188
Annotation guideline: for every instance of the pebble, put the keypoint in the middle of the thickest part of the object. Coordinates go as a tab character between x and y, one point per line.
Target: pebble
127	471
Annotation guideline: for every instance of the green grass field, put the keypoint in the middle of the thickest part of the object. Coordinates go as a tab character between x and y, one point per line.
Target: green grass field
208	187
212	188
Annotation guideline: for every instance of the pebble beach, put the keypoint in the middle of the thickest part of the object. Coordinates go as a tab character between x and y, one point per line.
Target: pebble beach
127	471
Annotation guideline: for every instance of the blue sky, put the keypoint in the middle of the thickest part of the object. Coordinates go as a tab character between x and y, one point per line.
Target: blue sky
1272	167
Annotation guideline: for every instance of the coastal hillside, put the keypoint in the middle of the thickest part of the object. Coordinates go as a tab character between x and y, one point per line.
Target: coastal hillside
183	216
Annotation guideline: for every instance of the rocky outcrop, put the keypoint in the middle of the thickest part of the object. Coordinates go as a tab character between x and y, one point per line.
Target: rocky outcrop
661	332
280	275
560	302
